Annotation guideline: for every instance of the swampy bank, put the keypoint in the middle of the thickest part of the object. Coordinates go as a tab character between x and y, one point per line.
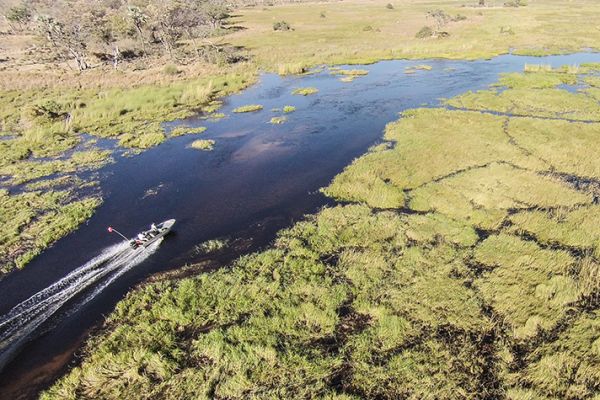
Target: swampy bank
404	285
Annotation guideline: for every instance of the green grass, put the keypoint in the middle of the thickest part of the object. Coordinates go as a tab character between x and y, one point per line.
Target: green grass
305	91
538	278
567	366
483	196
537	80
578	228
422	152
541	103
203	144
248	108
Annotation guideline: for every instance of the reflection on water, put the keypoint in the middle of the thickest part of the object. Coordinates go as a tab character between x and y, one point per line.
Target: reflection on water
259	178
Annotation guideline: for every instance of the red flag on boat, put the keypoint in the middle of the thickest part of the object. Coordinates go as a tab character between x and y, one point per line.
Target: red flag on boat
110	229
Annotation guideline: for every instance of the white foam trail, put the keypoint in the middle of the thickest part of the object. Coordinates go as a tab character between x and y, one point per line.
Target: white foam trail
23	320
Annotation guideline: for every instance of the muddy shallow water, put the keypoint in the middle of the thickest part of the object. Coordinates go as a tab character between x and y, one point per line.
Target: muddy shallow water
258	179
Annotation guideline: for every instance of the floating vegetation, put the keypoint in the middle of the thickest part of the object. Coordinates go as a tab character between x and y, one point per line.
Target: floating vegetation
305	91
186	130
210	246
216	116
278	120
248	108
203	144
537	68
350	74
423	67
289	109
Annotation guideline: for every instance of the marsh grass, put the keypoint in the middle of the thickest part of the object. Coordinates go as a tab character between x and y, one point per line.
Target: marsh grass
578	228
289	109
305	91
350	72
536	80
203	144
186	130
291	69
537	68
248	108
34	220
540	103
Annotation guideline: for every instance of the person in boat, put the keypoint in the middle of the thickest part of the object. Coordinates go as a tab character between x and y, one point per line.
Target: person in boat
153	228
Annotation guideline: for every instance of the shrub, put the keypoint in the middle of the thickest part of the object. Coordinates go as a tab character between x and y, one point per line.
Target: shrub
389	6
368	28
281	26
424	32
459	17
323	14
515	3
171	69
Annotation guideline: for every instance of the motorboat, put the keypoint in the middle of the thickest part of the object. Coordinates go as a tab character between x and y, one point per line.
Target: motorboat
146	238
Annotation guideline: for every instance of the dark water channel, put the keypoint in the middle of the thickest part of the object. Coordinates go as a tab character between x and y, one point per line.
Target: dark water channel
258	179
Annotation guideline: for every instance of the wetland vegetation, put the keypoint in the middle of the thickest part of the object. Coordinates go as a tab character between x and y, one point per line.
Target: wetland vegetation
203	144
461	262
462	259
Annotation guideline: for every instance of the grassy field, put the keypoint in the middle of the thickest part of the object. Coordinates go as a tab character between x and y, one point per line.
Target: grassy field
464	264
366	31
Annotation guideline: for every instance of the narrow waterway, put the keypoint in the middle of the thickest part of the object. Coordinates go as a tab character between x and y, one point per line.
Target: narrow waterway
259	178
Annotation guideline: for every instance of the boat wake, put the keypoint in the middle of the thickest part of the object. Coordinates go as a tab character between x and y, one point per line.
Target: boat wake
31	317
